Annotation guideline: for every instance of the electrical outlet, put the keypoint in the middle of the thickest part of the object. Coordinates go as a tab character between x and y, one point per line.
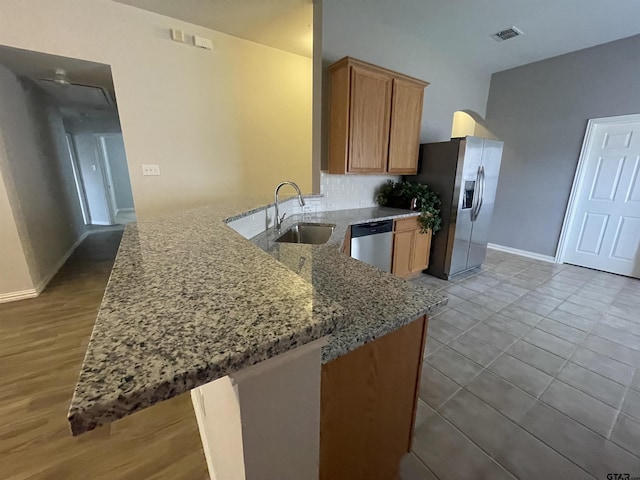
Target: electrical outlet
149	169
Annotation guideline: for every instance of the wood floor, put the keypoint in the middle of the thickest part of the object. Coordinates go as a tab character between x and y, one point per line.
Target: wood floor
42	344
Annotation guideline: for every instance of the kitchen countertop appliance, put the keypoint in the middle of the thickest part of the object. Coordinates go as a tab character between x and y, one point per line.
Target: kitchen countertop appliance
464	173
372	243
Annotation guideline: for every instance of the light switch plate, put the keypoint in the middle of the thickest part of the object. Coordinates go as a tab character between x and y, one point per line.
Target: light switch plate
150	169
177	35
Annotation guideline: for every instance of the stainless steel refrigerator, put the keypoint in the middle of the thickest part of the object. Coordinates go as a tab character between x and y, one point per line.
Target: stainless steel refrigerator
464	172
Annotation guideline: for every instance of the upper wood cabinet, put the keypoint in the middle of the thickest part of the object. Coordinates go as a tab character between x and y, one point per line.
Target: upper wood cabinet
404	140
370	112
374	119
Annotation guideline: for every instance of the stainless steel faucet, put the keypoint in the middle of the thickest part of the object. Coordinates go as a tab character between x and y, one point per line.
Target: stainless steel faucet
278	222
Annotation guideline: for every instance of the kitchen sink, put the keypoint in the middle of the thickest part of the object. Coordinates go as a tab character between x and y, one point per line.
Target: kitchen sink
314	233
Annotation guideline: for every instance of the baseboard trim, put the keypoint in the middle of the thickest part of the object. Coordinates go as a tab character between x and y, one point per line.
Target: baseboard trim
523	253
42	284
20	295
34	292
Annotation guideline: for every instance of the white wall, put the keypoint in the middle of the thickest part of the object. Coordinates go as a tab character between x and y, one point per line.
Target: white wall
14	271
218	124
38	178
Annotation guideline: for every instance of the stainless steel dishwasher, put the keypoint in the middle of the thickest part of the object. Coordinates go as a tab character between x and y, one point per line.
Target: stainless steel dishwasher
372	243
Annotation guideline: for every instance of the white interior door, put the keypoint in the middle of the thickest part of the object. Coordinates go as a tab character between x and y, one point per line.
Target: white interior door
109	189
77	177
117	181
603	229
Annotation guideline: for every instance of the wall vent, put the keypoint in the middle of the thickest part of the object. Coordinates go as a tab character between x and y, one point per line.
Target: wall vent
506	34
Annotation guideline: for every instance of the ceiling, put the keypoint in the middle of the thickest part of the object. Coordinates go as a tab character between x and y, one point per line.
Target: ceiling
462	28
457	27
37	66
283	24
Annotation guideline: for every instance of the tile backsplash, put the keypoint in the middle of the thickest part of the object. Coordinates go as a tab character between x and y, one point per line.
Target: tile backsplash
342	192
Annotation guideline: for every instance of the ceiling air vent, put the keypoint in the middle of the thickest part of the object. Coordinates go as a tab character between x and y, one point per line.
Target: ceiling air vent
506	34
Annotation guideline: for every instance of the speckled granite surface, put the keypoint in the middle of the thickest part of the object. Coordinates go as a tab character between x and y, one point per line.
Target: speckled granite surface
376	303
190	300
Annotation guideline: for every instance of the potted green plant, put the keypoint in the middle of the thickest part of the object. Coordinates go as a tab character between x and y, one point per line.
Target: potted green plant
408	195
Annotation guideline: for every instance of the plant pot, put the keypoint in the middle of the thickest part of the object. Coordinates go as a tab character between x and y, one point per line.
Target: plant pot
399	202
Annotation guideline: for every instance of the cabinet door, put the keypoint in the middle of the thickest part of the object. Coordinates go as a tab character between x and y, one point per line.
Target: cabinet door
421	250
369	116
338	150
402	253
406	117
368	403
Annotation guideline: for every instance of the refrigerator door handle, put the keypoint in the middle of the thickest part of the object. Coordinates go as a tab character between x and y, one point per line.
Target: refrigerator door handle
482	189
476	195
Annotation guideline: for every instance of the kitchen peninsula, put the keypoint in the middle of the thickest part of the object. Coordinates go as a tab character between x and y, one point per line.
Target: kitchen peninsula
246	326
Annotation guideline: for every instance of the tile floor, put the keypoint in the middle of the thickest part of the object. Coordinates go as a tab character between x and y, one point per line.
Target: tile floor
532	371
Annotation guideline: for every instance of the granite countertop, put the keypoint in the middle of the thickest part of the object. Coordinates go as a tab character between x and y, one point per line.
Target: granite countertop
190	300
375	302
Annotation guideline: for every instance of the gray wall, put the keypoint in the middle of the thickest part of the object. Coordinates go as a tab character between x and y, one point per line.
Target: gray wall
38	176
375	32
540	111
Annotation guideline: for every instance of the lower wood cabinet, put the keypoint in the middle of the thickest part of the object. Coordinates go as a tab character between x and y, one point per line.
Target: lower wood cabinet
368	404
346	243
402	253
411	248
